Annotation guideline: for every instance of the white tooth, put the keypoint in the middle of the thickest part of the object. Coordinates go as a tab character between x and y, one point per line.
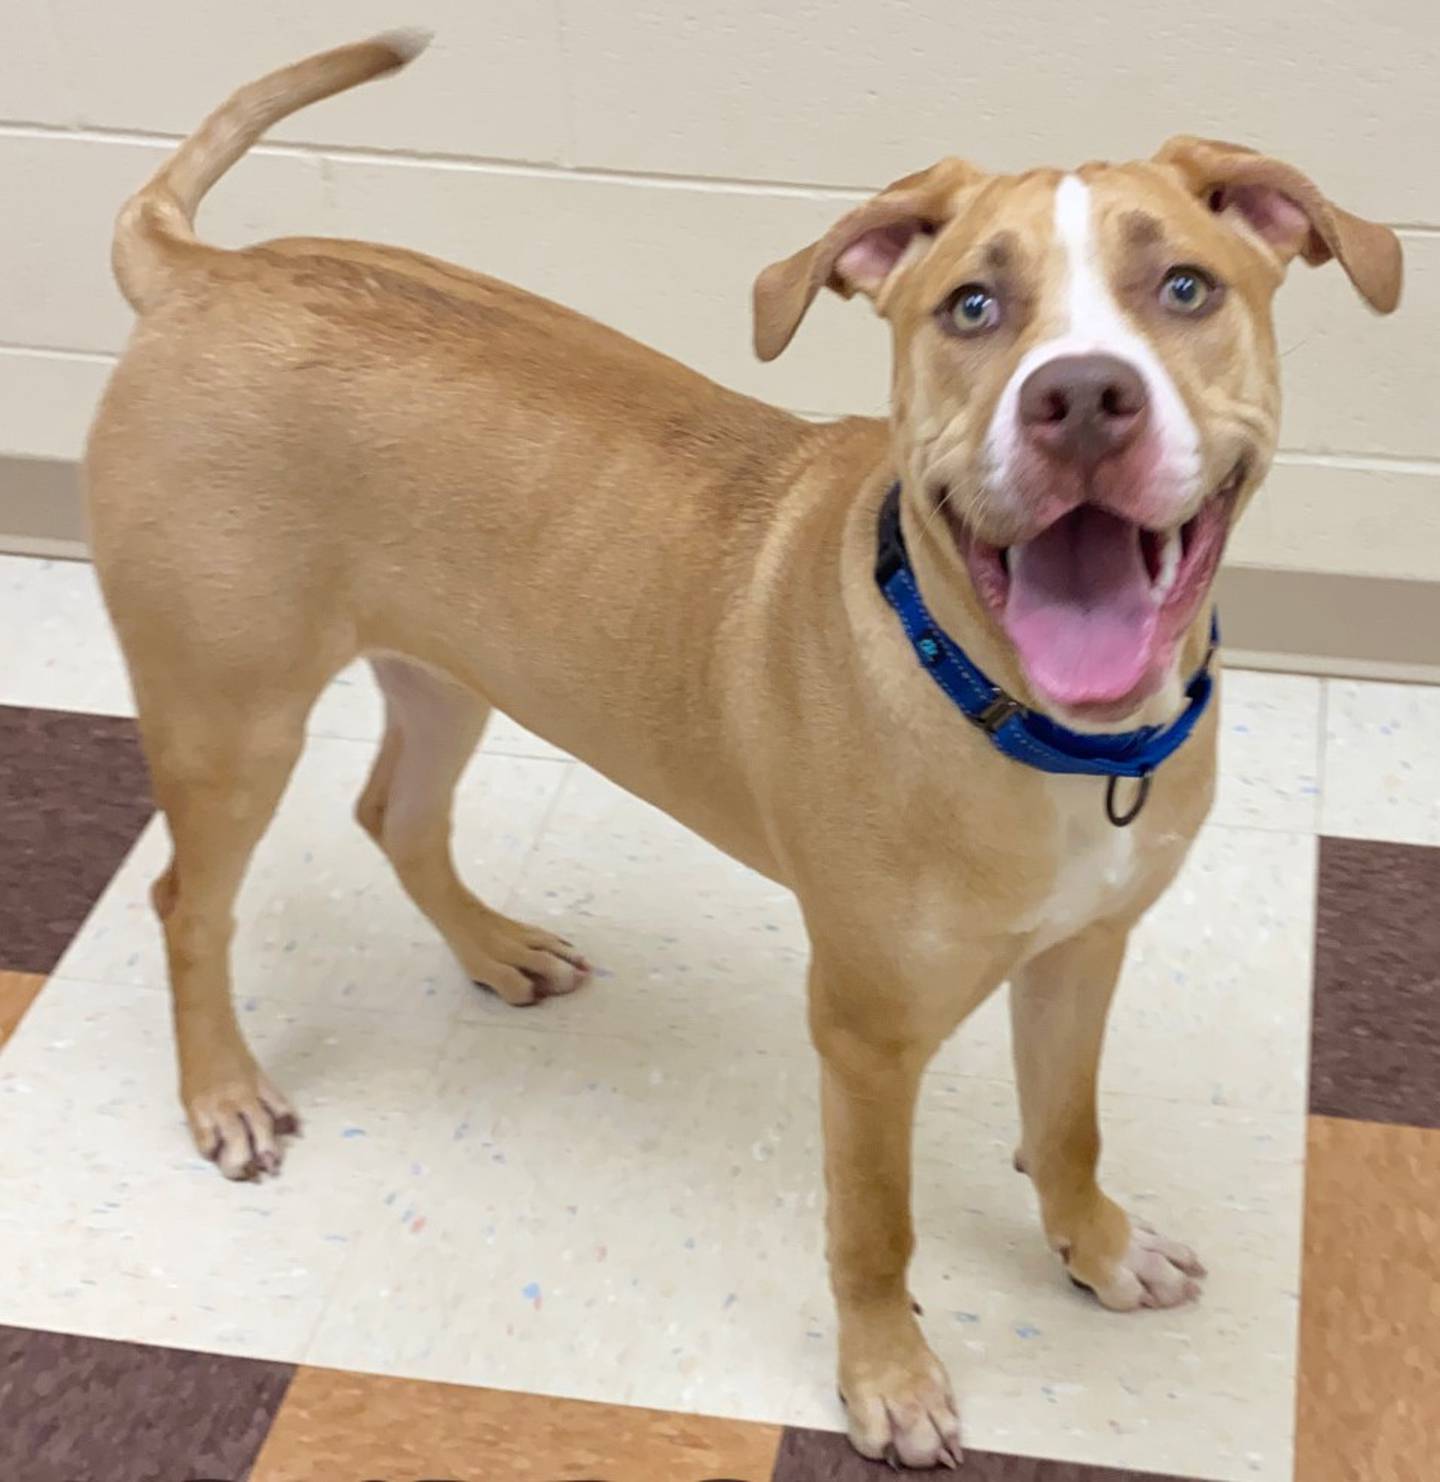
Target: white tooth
1169	563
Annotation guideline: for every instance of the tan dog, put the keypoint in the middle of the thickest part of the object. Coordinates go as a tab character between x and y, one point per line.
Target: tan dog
317	449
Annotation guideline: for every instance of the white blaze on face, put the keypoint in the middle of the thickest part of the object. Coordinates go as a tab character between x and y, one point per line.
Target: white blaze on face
1092	323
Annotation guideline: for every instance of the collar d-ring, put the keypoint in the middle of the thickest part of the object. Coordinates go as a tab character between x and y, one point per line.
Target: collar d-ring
1125	819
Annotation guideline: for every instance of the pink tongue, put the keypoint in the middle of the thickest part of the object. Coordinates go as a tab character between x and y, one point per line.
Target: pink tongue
1080	609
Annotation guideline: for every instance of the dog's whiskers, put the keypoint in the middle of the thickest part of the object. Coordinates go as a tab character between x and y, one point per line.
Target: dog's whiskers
936	507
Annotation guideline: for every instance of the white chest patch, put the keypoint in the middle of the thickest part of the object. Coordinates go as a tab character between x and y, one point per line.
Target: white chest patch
1094	870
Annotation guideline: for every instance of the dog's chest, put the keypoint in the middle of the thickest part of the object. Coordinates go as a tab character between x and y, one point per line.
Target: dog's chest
1093	868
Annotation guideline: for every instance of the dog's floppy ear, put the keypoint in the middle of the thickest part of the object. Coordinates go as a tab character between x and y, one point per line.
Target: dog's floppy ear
858	253
1283	206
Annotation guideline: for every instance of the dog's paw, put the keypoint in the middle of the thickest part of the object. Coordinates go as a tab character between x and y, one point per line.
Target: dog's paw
240	1124
523	964
901	1410
1154	1271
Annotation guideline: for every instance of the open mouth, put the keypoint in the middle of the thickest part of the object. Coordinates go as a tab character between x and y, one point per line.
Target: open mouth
1095	603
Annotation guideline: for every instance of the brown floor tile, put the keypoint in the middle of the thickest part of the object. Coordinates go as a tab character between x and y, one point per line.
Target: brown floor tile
1376	1052
73	796
1369	1406
17	993
335	1425
820	1456
85	1410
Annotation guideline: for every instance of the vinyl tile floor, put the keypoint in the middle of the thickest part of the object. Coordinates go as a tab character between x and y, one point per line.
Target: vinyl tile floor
585	1241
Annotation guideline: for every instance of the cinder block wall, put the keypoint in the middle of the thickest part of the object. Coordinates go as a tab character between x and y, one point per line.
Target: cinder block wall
641	160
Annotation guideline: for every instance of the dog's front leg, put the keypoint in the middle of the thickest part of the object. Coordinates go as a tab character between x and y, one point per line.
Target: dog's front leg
896	1393
1058	1008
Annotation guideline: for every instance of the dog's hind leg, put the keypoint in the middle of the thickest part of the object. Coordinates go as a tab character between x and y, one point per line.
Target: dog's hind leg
431	728
220	757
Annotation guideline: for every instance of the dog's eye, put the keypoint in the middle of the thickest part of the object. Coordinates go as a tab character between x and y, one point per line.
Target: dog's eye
971	309
1187	290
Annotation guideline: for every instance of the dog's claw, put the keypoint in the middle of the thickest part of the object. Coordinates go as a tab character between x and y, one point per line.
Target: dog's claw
238	1125
904	1413
520	964
1153	1272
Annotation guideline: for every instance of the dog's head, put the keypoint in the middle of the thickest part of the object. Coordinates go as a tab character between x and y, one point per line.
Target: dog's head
1085	385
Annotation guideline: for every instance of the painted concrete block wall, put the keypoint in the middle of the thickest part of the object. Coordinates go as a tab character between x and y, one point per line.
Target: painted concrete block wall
642	160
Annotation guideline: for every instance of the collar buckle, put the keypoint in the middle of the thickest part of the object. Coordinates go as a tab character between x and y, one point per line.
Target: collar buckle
1002	708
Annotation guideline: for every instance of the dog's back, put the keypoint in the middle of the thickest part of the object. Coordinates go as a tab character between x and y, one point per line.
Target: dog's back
284	410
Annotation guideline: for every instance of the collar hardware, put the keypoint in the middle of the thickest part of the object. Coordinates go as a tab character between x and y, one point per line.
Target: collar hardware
1125	819
997	712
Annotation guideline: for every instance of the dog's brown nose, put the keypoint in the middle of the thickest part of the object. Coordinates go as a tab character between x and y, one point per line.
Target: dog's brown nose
1083	408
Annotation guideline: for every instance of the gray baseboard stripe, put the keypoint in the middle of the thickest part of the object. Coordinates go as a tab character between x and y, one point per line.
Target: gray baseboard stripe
1305	621
1318	623
41	508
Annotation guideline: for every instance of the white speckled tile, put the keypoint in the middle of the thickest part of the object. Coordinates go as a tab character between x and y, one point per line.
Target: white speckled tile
1214	1005
591	1196
350	707
642	1223
59	652
688	942
1382	762
1206	1391
1270	739
112	1225
321	915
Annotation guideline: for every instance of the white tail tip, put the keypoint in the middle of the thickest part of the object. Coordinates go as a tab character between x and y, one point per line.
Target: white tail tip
407	44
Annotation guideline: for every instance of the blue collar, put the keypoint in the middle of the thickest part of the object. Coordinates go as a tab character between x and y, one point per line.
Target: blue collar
1020	733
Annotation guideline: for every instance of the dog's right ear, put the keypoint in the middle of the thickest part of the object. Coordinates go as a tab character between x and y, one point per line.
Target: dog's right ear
859	253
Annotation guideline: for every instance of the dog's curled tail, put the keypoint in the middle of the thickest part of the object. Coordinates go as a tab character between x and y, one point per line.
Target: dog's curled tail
155	231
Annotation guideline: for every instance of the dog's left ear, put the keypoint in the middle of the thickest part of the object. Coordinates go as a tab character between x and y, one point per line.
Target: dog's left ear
1283	207
859	253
